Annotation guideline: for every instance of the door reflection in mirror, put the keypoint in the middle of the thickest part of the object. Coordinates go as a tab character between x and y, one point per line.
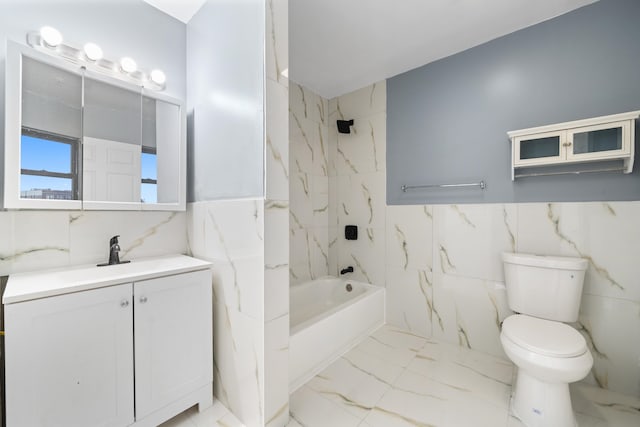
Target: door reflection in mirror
112	127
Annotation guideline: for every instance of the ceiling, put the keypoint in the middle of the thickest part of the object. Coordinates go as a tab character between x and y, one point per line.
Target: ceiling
337	46
182	10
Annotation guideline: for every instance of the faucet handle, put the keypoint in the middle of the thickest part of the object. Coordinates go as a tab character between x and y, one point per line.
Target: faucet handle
114	240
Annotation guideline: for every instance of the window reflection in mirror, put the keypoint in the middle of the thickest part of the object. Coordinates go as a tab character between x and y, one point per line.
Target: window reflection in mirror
160	181
149	191
149	164
48	166
50	132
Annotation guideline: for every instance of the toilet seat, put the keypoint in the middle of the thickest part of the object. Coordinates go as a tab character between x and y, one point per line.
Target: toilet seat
544	337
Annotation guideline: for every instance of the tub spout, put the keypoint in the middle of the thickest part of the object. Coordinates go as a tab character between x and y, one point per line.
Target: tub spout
346	270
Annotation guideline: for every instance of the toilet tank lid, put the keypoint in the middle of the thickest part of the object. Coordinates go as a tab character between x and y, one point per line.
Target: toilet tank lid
545	261
543	336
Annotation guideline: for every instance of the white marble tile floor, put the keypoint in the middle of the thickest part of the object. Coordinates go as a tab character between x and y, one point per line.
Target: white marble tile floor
395	378
215	416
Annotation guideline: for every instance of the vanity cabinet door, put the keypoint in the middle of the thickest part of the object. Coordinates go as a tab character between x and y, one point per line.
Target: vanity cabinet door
68	359
173	338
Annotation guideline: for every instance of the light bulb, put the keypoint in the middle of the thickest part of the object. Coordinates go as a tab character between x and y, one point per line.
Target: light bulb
50	36
93	51
128	65
158	77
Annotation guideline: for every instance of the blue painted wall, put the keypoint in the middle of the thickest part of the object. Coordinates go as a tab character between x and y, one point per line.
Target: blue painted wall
447	121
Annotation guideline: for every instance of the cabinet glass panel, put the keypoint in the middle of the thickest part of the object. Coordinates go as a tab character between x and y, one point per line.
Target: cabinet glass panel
540	148
597	140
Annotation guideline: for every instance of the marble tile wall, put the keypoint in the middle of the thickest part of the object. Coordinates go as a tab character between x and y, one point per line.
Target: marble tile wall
445	278
35	240
337	180
608	235
276	312
230	234
276	218
357	183
309	184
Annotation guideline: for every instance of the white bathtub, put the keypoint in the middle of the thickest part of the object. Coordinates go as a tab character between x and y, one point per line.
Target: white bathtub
326	321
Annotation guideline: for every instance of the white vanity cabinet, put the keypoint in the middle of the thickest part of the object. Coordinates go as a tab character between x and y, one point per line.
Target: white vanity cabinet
598	139
122	345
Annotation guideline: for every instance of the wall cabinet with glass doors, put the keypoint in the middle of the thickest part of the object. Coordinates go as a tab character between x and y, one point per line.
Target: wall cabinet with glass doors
76	139
591	140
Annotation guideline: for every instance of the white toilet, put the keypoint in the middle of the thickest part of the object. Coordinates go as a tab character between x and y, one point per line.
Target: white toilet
545	291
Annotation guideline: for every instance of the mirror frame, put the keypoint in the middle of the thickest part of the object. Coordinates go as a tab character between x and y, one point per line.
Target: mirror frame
13	125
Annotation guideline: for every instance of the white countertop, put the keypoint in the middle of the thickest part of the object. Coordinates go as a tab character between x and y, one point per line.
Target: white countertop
46	283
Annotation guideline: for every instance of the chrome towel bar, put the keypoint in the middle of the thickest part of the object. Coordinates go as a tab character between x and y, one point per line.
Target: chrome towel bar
527	175
480	184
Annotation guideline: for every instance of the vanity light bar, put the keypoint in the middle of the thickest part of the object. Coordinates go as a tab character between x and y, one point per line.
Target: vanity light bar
50	41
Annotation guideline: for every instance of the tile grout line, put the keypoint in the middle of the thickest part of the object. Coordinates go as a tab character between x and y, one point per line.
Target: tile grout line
390	386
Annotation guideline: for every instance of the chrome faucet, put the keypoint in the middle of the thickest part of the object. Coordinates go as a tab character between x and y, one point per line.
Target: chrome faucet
346	270
114	248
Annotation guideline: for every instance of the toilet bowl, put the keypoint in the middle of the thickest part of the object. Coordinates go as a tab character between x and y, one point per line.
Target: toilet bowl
549	355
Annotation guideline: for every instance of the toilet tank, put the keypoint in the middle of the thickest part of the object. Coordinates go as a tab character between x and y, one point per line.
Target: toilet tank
548	287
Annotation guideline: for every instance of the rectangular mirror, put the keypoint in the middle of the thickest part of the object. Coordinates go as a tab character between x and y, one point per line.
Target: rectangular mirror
79	139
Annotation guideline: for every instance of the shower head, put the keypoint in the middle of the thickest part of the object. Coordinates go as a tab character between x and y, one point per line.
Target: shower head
344	126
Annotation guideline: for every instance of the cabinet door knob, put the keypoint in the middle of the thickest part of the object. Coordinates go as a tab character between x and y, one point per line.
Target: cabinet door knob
143	299
124	303
567	144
